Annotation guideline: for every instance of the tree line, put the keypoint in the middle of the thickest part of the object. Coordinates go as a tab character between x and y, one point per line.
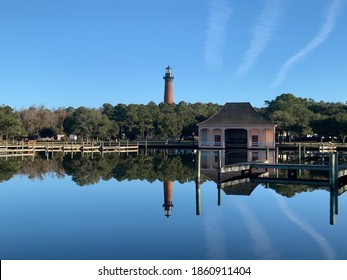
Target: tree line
302	117
134	121
293	115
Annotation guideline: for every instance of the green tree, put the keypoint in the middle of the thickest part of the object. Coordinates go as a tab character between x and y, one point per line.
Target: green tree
10	123
290	113
90	123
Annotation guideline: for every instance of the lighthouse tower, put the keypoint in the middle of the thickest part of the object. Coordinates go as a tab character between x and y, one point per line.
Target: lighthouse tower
168	88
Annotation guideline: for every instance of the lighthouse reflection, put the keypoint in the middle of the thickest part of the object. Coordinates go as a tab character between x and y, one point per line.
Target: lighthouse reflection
168	186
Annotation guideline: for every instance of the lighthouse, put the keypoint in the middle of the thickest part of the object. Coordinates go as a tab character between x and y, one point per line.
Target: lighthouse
168	87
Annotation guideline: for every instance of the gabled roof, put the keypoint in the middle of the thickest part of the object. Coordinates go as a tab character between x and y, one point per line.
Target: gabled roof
237	113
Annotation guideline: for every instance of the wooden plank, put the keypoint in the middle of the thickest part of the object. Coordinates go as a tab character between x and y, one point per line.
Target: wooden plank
291	182
17	155
291	166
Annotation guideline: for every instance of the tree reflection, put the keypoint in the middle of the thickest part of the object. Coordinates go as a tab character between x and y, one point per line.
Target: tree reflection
8	168
86	169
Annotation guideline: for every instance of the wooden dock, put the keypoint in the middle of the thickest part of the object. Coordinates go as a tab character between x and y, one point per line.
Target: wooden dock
331	166
243	177
334	166
31	147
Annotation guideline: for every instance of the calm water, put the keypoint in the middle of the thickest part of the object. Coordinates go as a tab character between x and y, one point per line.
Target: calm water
112	208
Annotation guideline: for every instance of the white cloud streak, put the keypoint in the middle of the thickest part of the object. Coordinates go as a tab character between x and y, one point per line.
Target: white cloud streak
216	30
262	31
316	236
331	15
263	246
216	245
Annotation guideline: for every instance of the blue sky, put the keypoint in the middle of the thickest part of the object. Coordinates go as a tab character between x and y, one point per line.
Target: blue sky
61	53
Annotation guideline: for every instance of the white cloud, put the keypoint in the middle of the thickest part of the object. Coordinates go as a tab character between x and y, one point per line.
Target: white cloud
215	236
263	29
328	26
263	245
316	236
216	32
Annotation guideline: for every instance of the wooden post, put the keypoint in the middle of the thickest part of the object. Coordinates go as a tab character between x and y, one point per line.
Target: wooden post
197	193
197	167
332	169
219	168
52	145
71	149
92	149
219	195
333	206
22	149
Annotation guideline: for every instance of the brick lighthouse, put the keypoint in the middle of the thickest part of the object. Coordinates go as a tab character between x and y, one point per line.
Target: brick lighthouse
168	88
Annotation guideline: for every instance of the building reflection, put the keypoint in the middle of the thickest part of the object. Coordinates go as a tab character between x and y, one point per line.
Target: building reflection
210	164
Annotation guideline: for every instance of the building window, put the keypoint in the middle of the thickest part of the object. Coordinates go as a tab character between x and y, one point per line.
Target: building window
255	141
218	140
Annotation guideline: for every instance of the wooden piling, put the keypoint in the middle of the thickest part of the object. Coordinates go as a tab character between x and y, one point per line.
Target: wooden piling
333	169
197	197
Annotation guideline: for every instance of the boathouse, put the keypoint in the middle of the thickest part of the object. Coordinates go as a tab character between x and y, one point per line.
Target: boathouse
237	125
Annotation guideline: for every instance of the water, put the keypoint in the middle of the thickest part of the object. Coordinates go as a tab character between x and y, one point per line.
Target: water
111	207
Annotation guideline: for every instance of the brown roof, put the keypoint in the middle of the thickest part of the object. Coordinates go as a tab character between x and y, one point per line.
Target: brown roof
240	189
239	113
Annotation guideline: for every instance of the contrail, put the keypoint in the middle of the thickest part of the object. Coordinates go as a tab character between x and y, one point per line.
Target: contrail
216	32
316	236
265	26
328	26
215	236
263	245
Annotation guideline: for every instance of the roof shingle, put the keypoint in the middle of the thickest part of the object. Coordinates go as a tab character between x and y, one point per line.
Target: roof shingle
237	113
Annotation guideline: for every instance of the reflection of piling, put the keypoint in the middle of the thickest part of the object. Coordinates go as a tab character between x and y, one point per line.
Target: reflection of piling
219	195
333	180
333	205
197	197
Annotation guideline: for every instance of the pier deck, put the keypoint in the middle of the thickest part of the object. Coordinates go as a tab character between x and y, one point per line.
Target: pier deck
28	148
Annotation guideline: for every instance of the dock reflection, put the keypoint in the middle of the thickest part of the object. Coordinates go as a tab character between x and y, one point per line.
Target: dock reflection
239	172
